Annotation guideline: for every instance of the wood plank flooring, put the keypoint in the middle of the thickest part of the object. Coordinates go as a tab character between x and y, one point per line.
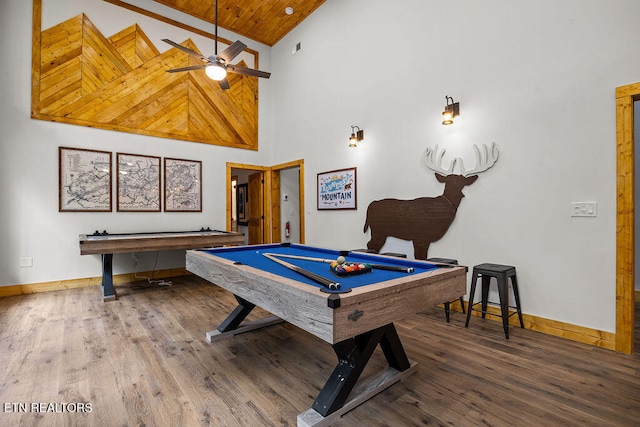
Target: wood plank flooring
143	360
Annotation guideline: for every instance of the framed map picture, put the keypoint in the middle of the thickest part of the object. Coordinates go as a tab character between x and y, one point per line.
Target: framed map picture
84	181
242	199
337	189
138	183
182	185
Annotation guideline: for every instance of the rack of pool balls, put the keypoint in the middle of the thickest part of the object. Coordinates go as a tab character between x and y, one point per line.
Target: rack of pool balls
340	267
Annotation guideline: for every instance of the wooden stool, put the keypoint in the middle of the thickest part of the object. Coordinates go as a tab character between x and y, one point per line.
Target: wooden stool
501	273
447	304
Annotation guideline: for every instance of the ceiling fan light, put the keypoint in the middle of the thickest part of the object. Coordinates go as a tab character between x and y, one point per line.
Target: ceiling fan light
216	72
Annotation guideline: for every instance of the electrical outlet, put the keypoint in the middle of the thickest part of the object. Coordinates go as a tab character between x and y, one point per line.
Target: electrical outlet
584	209
26	261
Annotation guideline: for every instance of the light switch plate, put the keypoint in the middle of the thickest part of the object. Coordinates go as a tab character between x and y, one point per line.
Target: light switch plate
584	209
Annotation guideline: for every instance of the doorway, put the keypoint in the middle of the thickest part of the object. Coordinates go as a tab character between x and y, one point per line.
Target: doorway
257	203
255	210
288	216
245	208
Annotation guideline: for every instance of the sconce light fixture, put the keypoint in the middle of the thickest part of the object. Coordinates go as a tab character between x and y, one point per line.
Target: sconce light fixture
451	110
356	136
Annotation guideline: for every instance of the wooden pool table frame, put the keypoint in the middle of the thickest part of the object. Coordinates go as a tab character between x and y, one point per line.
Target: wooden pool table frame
353	323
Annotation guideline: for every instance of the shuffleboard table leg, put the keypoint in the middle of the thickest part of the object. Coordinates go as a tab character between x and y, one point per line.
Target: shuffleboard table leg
108	291
353	355
230	326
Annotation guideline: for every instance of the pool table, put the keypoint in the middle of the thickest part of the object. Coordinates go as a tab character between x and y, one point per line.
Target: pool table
354	319
106	244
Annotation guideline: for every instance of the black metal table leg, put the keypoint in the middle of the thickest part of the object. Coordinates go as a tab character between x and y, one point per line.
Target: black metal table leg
393	350
236	317
231	325
353	355
108	292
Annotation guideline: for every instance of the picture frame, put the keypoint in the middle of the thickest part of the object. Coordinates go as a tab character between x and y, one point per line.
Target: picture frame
337	189
242	200
182	185
137	183
84	180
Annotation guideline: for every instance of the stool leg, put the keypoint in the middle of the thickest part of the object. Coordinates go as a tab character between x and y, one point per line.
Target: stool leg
446	310
471	295
462	305
486	280
504	303
514	285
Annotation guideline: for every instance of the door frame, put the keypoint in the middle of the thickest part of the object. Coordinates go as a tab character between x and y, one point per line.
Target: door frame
276	197
271	201
625	210
266	238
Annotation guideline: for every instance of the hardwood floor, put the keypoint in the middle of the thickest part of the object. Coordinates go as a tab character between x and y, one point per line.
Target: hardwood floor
143	360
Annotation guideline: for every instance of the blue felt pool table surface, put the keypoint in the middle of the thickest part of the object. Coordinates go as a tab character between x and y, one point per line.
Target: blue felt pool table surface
253	256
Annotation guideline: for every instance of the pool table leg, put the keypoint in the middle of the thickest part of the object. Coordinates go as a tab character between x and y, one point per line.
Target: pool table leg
230	326
237	315
108	292
353	355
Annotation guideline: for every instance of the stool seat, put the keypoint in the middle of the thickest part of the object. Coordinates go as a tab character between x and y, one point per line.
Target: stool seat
394	254
447	305
502	273
365	250
488	268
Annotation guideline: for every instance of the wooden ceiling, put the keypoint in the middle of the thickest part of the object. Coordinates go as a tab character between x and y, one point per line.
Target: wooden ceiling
262	20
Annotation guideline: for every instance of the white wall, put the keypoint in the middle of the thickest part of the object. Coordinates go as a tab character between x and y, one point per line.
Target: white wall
31	225
536	78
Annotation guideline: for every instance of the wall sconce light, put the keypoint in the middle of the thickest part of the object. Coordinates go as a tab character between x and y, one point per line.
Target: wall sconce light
451	110
356	136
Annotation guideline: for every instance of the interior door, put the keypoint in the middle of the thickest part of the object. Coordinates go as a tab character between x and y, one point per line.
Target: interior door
256	208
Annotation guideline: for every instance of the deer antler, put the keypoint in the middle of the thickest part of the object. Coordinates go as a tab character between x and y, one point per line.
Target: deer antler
433	160
485	160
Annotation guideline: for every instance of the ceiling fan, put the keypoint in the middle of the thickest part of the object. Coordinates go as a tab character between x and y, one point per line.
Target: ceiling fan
217	65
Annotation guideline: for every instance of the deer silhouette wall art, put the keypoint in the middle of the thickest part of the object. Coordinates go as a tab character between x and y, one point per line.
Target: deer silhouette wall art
426	219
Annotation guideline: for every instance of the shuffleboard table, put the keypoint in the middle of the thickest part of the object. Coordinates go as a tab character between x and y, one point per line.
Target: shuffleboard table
354	319
105	244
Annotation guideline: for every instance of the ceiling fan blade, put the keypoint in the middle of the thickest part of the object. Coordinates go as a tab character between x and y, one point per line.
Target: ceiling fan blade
232	51
191	68
238	69
224	84
187	50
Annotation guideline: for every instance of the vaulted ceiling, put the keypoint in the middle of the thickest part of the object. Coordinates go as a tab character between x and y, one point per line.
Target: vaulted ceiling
265	21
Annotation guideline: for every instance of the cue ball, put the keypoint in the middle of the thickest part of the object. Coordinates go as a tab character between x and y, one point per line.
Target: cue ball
341	259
